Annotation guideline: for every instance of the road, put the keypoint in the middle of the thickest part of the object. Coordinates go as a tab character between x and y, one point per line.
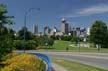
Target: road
99	60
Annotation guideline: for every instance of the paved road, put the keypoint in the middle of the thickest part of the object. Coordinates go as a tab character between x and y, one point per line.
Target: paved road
99	60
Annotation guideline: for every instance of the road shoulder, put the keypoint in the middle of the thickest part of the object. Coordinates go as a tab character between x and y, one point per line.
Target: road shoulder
57	67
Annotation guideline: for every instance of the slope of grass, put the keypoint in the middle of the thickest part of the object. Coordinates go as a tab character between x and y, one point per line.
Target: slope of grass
74	66
62	45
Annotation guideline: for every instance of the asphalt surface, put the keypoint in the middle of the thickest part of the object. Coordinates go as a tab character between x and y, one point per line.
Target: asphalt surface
99	60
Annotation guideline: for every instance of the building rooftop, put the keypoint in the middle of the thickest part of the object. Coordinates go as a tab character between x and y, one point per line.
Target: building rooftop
63	19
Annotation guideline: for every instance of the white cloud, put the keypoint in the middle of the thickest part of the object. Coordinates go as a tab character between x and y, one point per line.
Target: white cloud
89	11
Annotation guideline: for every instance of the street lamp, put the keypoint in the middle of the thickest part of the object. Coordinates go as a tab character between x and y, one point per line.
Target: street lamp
78	42
25	17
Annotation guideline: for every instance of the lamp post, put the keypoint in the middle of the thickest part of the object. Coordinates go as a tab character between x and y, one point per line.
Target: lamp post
78	43
25	17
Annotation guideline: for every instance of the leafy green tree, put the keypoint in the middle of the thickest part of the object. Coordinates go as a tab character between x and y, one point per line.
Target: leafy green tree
11	33
5	44
18	44
53	37
30	44
98	33
41	41
50	41
28	34
75	39
107	38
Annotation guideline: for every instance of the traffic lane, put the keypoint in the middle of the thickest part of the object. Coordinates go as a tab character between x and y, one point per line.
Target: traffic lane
97	55
100	63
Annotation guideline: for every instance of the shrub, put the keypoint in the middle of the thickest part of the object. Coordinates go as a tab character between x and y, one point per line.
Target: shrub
18	44
24	62
30	44
41	41
50	41
66	38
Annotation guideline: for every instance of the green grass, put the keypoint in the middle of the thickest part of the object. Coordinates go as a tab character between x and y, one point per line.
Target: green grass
61	46
74	66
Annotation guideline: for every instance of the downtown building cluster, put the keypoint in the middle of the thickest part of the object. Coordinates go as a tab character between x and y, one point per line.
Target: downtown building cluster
66	30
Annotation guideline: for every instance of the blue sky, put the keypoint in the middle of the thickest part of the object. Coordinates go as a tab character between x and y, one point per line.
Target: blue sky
77	12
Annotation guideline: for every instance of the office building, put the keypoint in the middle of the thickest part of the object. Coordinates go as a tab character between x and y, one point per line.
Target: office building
35	29
64	27
46	30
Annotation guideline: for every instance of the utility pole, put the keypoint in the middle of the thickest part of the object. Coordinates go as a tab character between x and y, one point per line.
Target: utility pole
25	17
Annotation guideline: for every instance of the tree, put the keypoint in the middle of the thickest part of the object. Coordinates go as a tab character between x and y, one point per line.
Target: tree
3	18
75	39
98	33
30	44
4	33
11	33
50	42
28	34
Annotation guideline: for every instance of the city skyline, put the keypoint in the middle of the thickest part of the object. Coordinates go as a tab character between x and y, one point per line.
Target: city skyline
77	12
66	30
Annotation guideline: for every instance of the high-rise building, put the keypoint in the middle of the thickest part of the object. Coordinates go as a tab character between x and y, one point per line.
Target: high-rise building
70	29
46	30
35	30
88	31
64	27
78	32
83	32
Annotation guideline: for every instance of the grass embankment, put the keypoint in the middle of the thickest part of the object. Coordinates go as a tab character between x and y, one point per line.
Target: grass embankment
74	66
61	46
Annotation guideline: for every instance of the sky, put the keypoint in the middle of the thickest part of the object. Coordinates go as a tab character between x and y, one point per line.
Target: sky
78	13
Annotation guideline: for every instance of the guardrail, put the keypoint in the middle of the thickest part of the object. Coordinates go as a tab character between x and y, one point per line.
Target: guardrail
45	58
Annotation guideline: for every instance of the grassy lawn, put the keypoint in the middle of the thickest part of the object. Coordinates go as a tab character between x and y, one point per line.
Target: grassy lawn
61	46
74	66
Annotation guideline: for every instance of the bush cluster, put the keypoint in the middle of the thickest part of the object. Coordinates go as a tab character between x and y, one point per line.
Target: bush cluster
37	42
23	62
30	44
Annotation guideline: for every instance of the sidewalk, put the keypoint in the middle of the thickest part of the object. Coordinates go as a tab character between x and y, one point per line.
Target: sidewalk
57	67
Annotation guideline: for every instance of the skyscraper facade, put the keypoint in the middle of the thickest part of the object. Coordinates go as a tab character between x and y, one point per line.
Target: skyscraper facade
64	27
35	30
46	30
